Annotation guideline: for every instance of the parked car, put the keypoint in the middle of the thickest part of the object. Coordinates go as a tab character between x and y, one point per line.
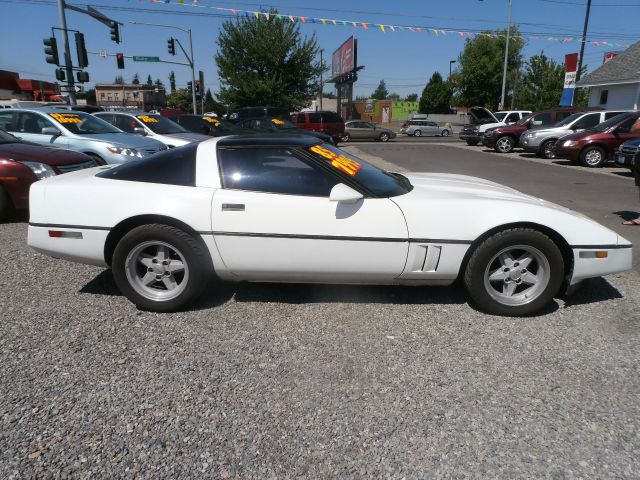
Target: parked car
206	125
321	121
257	112
541	141
482	119
418	128
627	153
277	125
504	139
77	131
152	125
284	208
594	147
22	164
361	130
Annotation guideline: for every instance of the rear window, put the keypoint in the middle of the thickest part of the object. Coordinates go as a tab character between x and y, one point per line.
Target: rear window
331	117
170	167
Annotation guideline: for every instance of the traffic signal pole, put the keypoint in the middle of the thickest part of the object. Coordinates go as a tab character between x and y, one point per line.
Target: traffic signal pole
67	54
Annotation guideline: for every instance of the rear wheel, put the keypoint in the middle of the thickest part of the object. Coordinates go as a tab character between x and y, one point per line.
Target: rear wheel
384	137
593	157
417	133
5	204
515	272
445	133
346	137
160	268
504	144
546	149
472	143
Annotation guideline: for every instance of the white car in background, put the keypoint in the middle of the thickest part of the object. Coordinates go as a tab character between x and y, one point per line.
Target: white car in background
482	120
289	208
153	126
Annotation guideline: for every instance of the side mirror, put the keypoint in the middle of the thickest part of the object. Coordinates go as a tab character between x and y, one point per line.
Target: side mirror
51	131
343	193
139	131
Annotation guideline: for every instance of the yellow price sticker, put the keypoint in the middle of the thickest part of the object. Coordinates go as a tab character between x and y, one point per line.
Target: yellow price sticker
147	119
66	117
211	120
277	121
341	162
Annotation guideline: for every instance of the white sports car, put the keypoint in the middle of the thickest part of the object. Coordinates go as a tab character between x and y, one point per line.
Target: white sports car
279	208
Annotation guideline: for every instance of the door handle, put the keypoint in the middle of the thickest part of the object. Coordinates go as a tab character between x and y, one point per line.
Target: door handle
233	207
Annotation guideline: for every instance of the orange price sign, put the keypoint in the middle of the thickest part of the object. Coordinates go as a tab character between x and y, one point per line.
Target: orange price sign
277	121
341	162
66	117
147	119
211	120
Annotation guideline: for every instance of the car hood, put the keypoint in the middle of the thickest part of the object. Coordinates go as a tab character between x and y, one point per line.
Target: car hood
583	135
123	140
54	156
481	115
633	143
551	131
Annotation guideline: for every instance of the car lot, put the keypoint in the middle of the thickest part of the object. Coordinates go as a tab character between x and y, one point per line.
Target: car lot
261	381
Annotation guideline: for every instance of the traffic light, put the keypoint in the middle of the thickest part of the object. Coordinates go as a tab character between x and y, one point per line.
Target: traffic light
197	87
120	60
190	86
115	32
60	75
81	49
82	77
171	46
51	50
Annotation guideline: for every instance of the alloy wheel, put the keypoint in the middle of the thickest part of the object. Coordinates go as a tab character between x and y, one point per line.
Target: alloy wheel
504	144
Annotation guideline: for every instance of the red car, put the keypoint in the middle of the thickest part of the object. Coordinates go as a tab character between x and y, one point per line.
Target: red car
595	146
322	121
504	139
23	163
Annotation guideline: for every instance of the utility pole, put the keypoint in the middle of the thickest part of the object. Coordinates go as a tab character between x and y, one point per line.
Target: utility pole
506	57
321	78
67	54
584	39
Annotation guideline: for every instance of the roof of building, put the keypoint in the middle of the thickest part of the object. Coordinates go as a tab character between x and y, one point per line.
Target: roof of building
624	68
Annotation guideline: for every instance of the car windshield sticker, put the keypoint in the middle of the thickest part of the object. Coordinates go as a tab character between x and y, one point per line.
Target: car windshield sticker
66	117
211	120
341	162
277	121
147	119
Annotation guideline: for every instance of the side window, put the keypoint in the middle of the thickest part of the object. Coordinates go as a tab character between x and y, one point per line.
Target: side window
124	123
587	121
608	115
604	96
542	119
32	123
301	118
6	121
273	170
330	117
512	117
625	127
315	118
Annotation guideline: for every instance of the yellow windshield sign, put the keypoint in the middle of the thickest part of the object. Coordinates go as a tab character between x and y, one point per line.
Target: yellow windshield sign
66	117
277	121
341	162
211	120
147	119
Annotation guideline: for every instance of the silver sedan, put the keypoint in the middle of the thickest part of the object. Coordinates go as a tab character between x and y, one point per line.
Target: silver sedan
418	128
360	130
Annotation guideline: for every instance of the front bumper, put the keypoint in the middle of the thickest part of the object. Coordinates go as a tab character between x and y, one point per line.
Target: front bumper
529	144
476	137
624	159
619	259
489	141
569	153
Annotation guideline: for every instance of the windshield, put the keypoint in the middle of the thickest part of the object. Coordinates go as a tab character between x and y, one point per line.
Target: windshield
219	125
500	115
281	124
7	137
613	121
570	119
160	125
377	181
82	123
524	119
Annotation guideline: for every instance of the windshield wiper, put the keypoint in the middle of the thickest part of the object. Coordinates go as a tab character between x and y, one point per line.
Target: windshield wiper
403	179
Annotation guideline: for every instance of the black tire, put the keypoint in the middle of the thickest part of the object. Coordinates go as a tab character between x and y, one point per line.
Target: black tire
593	157
484	293
346	137
417	133
546	149
445	133
384	137
6	207
196	257
472	143
504	144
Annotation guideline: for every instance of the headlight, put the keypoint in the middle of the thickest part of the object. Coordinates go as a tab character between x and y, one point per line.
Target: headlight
529	135
569	143
40	170
129	152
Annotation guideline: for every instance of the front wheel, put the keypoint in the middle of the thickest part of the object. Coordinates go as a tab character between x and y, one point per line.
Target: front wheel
417	133
346	137
515	272
593	157
504	144
445	133
546	149
160	268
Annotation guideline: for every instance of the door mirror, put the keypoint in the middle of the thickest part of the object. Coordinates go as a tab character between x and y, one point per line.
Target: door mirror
343	193
139	131
53	131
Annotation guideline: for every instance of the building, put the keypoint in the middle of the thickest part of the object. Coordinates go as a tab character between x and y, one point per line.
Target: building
616	84
12	87
115	96
384	111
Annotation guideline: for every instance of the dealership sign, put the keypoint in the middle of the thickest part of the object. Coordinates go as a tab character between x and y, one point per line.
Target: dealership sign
570	69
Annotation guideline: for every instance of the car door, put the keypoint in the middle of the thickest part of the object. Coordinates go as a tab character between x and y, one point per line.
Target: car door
369	131
432	128
273	220
29	127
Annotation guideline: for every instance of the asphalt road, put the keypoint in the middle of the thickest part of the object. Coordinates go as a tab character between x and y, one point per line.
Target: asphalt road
310	381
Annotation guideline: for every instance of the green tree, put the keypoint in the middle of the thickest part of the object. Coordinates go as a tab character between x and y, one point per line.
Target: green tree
119	80
541	85
381	92
479	76
211	105
265	61
172	81
136	79
159	84
412	97
149	81
393	96
436	96
181	98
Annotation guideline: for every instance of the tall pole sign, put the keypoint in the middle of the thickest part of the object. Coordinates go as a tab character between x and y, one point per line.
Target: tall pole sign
570	69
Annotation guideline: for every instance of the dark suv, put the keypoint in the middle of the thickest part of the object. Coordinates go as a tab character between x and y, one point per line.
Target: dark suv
504	139
254	112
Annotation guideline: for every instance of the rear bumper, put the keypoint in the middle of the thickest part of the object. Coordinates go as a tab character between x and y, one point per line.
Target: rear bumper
619	259
86	245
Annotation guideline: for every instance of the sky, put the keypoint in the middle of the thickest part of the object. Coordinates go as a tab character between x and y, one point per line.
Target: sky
404	59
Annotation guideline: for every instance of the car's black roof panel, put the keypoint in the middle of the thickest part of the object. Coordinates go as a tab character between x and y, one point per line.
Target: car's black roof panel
267	140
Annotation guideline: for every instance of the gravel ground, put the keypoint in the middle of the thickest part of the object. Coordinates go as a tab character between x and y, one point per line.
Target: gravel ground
299	381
